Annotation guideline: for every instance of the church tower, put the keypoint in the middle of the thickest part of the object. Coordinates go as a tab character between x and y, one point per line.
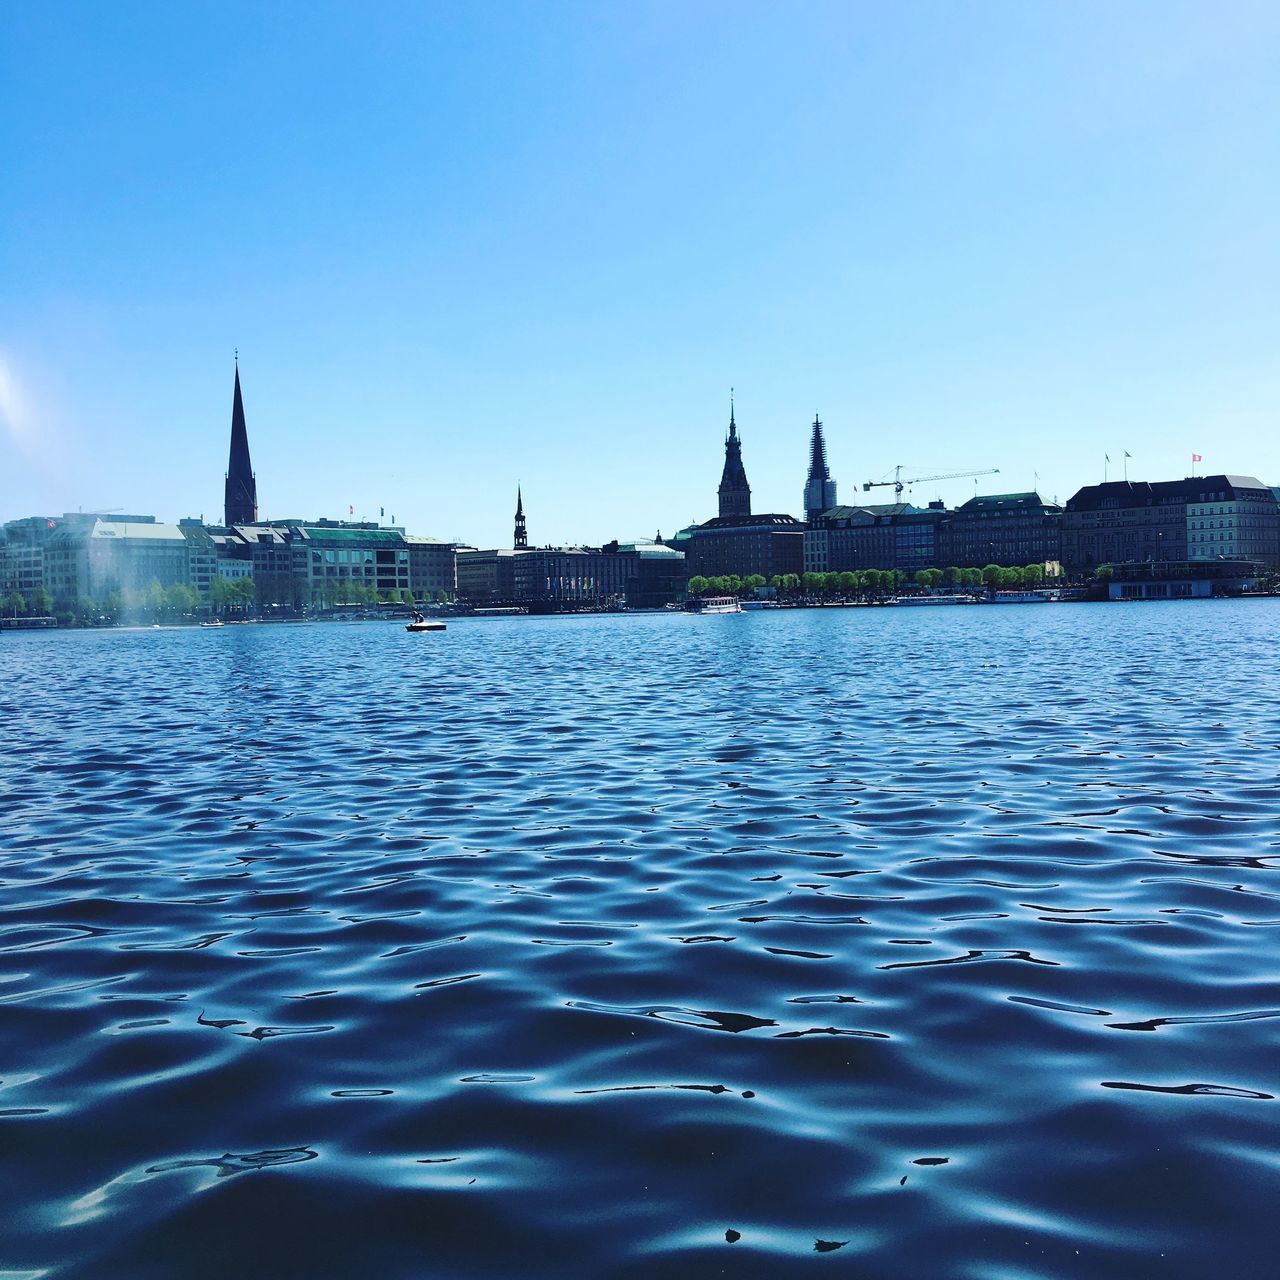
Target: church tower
522	537
735	492
820	488
241	495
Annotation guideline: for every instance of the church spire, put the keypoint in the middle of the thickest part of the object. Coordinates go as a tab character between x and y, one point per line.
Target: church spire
522	537
820	488
735	492
241	493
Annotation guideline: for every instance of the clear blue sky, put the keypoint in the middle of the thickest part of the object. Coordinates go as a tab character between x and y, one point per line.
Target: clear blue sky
461	246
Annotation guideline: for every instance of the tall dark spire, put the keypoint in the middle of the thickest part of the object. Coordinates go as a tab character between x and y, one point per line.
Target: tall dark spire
241	505
522	536
820	488
735	492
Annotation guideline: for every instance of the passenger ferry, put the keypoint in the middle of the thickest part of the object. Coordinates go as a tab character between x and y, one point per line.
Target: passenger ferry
715	604
939	599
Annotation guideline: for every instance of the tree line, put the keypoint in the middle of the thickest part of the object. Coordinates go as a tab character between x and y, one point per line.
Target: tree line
867	582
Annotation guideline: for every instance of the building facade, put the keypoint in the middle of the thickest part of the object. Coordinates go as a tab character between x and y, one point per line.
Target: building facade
1199	518
744	545
487	577
858	537
1000	528
127	558
433	567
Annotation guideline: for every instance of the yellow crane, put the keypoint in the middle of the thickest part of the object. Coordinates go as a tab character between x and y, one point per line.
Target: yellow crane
899	483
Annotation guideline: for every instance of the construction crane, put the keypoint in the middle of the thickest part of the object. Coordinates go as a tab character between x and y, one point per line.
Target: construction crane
899	483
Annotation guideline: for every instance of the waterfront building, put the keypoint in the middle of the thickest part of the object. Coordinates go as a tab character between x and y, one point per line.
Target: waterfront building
202	555
766	544
128	556
555	578
637	575
21	558
241	490
1000	528
433	567
849	538
656	576
737	542
487	577
1197	518
819	488
915	538
1181	579
357	554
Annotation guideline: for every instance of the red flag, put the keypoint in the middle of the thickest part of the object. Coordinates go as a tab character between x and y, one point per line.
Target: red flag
1195	457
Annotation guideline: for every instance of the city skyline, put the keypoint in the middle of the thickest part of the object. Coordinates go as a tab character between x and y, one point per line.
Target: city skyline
537	247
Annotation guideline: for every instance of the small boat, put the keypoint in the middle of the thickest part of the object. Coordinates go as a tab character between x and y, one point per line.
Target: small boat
716	604
421	623
217	622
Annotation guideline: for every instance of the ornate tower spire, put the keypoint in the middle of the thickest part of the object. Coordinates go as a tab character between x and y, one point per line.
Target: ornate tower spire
820	488
735	492
522	537
241	494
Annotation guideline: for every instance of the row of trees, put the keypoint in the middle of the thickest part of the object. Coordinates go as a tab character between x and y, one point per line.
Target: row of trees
16	605
868	582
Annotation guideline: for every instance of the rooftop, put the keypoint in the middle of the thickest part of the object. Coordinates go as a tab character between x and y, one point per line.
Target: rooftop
749	522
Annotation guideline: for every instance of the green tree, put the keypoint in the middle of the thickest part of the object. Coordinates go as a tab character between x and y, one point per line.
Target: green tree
41	602
753	582
951	575
697	585
922	578
991	575
1104	572
847	582
442	596
15	603
1033	575
813	583
177	600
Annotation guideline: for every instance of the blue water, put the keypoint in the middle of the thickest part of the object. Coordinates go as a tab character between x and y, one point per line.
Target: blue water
879	943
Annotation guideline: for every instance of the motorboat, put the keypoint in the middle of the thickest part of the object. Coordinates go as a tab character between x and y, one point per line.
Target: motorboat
421	623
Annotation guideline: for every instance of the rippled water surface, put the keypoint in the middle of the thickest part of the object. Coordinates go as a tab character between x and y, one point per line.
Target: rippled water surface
880	943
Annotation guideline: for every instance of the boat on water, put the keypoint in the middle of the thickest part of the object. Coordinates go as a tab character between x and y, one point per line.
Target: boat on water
927	600
1018	597
422	623
217	622
715	604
